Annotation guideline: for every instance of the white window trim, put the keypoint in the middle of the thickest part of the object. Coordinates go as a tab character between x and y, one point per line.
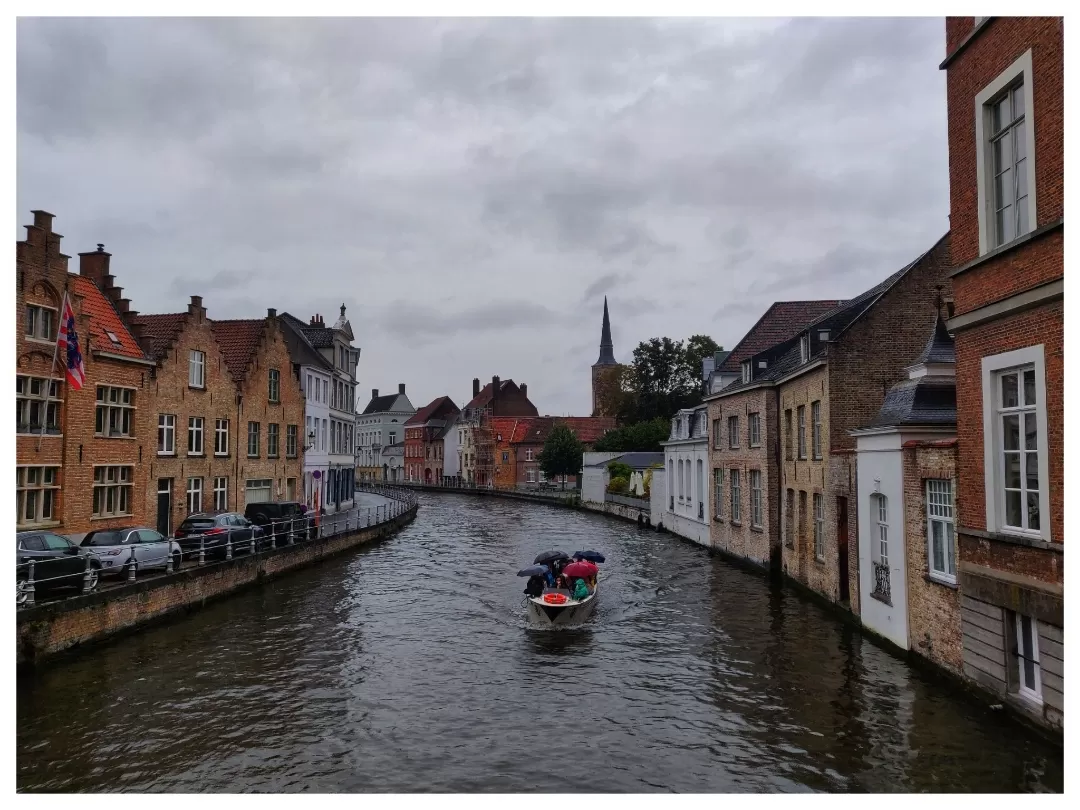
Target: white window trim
994	474
218	431
1035	696
1021	67
939	576
168	429
194	354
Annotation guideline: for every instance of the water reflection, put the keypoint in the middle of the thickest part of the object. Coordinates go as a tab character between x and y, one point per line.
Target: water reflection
409	666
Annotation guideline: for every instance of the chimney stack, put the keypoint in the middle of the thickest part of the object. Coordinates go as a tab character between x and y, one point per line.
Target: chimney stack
43	220
401	389
271	313
524	389
374	393
123	305
94	265
476	387
196	308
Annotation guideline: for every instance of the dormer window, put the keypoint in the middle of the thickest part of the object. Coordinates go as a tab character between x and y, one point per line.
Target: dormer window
762	363
823	336
112	336
804	348
746	371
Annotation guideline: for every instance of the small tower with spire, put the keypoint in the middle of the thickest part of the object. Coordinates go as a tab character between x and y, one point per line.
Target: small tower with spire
605	364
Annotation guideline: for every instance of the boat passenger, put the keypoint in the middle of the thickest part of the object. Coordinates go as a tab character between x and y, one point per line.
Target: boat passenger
535	586
561	583
581	590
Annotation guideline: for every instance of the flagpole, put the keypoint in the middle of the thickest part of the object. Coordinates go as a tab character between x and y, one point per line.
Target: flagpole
52	368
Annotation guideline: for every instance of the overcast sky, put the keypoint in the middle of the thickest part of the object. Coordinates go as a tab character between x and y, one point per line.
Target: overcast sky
471	190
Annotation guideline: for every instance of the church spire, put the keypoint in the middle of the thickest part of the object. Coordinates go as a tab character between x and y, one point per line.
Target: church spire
607	348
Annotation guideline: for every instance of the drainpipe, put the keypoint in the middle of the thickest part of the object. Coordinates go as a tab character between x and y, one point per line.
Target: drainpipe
776	553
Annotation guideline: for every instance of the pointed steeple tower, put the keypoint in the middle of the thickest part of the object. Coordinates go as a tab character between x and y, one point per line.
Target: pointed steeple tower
607	348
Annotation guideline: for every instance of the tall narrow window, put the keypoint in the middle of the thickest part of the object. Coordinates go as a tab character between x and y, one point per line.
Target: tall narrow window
881	514
756	518
819	527
290	441
680	479
815	421
221	494
787	435
717	434
194	495
802	431
755	429
789	518
221	437
1008	158
940	529
1027	654
196	369
274	385
701	488
733	431
195	436
1019	453
114	413
272	440
736	498
166	434
253	439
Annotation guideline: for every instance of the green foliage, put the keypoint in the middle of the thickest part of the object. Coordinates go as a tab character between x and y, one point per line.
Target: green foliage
644	437
617	469
618	486
562	453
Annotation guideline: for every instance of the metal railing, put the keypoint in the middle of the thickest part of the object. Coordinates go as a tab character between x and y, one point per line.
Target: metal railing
626	500
199	548
544	490
882	588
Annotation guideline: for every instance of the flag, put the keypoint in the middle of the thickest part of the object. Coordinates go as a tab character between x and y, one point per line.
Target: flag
68	340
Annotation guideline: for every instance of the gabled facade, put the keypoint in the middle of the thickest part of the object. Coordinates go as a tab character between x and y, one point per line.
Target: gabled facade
688	510
477	451
906	463
380	434
78	457
269	409
423	440
191	448
1005	81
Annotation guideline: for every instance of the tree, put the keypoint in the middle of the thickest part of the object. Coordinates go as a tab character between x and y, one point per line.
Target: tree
616	394
562	453
698	347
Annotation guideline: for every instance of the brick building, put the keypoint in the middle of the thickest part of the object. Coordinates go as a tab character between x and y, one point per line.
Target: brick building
842	369
268	410
907	521
476	447
423	440
1005	80
744	449
86	471
191	447
518	451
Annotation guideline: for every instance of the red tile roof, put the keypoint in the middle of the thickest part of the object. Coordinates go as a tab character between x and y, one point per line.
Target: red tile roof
161	331
104	319
506	425
429	410
589	428
238	340
531	430
535	430
782	321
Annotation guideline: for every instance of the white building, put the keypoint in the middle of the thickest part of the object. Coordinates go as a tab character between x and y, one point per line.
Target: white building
330	410
452	443
687	511
380	436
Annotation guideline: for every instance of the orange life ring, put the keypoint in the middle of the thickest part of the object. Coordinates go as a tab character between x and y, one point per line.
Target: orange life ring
555	598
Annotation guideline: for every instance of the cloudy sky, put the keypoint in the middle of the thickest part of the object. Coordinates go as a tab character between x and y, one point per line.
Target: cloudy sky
472	189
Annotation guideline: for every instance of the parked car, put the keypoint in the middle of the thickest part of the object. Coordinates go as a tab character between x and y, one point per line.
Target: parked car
212	529
58	563
280	518
114	548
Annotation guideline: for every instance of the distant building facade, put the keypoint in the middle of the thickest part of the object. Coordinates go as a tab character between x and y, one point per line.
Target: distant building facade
380	431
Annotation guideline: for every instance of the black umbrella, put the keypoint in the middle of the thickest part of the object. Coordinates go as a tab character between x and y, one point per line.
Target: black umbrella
591	556
533	571
551	556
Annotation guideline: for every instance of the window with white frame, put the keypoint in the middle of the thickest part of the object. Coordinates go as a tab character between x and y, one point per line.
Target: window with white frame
815	428
880	514
221	493
253	439
221	437
804	349
112	491
32	406
1005	141
114	414
258	490
718	491
717	434
755	429
700	483
736	497
195	436
941	529
36	491
273	392
801	416
166	434
529	455
755	499
733	431
746	371
196	369
194	495
680	479
530	476
819	526
1027	656
40	323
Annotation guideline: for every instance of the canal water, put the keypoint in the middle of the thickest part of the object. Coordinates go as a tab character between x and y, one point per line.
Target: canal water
409	667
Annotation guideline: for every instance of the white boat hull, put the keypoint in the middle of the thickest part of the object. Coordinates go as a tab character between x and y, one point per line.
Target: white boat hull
567	614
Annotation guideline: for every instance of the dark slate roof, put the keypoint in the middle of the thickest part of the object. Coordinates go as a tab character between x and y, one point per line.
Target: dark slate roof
639	461
929	400
161	331
786	358
381	404
300	346
428	411
940	348
779	323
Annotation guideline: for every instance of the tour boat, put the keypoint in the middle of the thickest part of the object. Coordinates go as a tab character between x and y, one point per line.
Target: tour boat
558	608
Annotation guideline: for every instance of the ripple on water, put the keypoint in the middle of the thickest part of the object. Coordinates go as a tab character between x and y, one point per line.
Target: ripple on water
410	666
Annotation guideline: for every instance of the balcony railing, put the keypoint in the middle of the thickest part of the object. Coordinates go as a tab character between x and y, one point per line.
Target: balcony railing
882	588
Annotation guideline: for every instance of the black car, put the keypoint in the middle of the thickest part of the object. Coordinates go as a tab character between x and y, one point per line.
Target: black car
279	519
58	563
212	529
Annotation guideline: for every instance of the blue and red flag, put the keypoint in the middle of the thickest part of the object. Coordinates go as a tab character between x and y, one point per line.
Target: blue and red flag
68	340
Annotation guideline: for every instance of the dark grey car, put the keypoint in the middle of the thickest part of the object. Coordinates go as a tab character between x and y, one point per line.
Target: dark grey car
58	563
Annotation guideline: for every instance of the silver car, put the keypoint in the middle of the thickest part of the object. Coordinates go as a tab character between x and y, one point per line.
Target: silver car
114	549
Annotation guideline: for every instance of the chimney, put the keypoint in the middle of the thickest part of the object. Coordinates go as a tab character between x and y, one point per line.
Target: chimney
314	321
95	266
476	387
524	390
43	220
196	308
123	305
271	313
374	393
401	389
